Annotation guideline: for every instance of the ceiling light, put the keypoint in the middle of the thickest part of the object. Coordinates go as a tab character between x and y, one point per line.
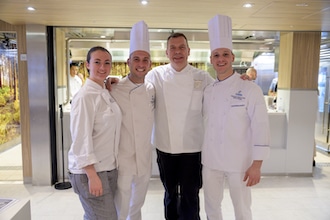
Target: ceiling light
144	2
31	8
248	5
302	5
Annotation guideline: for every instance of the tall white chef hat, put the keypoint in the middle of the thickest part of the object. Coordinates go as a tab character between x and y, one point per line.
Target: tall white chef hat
139	39
220	32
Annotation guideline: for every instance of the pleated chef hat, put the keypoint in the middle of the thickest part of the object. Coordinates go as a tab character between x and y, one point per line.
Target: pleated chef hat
220	32
139	39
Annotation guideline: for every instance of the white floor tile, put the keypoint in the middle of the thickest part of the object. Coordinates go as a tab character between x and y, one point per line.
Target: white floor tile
275	198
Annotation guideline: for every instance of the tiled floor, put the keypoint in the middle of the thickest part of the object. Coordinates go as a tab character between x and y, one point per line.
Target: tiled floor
11	164
275	198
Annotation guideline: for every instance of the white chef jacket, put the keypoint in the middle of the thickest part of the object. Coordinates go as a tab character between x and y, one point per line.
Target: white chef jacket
236	125
178	113
95	121
75	85
136	102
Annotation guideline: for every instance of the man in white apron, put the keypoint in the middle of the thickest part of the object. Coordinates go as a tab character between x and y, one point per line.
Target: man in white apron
178	132
135	98
237	133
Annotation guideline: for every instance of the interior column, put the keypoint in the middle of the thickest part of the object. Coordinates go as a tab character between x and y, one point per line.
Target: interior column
297	96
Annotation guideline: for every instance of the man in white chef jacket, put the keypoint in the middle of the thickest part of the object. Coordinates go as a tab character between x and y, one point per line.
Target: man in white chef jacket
74	80
237	135
178	132
135	98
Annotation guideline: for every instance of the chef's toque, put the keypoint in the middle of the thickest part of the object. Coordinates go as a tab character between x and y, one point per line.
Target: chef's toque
220	32
139	38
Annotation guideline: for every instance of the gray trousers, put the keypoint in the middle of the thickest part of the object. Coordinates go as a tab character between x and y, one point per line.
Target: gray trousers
97	207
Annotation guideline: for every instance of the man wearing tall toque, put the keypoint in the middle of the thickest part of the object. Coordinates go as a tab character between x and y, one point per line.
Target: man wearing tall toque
135	98
236	139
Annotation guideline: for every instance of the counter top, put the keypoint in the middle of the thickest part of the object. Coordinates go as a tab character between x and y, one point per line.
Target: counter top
275	112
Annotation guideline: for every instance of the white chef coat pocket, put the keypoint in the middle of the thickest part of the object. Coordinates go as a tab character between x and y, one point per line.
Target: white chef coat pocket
196	100
238	109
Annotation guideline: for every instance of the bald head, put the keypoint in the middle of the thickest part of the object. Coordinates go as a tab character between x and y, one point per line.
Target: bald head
252	73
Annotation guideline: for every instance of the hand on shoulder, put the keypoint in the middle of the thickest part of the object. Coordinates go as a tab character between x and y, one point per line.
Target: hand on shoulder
244	76
109	81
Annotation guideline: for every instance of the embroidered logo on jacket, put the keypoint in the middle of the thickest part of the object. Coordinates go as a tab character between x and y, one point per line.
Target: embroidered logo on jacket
198	84
238	95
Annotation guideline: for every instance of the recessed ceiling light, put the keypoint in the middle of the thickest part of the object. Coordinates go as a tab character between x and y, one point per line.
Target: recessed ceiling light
302	5
31	8
248	5
102	36
144	2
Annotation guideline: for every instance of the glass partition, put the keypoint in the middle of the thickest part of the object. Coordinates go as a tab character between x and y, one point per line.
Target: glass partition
10	126
251	48
322	125
9	92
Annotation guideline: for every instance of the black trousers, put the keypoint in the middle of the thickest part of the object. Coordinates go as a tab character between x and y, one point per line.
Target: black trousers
181	175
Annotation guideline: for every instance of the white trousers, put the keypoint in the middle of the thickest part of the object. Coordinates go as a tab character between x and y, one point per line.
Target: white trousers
213	185
130	196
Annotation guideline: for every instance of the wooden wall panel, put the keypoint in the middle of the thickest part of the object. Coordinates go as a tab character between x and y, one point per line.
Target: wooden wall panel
6	27
61	61
306	59
285	57
24	98
299	60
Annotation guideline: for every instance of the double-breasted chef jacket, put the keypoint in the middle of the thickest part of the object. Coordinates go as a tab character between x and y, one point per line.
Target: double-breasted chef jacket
236	125
95	121
178	114
136	102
